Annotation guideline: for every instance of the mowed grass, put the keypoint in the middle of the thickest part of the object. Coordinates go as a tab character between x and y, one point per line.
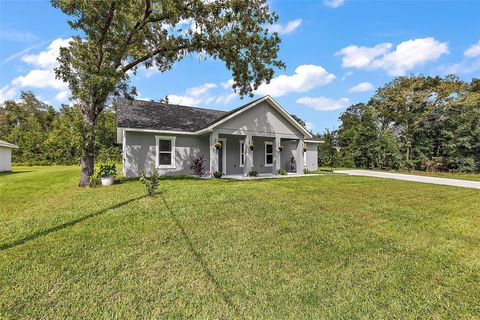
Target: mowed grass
330	246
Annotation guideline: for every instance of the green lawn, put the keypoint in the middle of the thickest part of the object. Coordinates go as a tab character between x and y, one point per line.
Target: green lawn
329	246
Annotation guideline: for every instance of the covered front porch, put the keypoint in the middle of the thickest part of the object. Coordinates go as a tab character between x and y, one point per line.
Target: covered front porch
238	155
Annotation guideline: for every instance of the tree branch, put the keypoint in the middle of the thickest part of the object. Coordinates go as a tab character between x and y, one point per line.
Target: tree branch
110	16
150	55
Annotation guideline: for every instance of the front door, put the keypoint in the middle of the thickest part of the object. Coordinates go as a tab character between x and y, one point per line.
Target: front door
220	157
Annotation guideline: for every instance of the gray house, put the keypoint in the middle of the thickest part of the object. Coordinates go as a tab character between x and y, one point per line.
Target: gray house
258	136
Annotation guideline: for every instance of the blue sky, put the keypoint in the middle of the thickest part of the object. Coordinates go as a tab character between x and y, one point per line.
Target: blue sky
337	53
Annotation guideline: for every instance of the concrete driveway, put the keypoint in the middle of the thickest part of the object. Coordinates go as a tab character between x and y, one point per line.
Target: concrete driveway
410	177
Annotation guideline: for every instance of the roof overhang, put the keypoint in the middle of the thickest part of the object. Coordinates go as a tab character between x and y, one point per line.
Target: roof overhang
8	145
314	141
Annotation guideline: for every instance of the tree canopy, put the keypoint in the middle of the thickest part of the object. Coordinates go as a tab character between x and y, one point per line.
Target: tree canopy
119	36
415	122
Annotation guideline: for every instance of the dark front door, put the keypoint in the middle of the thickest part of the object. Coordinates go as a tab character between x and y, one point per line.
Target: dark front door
220	157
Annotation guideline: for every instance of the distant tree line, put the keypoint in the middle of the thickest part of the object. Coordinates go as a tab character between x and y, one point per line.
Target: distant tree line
47	136
413	122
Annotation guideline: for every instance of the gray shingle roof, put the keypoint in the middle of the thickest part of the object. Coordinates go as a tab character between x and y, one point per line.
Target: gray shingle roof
161	116
141	114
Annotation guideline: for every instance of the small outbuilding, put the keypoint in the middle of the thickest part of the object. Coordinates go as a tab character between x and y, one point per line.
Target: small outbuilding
6	155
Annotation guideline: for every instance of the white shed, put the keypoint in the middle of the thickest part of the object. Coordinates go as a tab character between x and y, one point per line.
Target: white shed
6	155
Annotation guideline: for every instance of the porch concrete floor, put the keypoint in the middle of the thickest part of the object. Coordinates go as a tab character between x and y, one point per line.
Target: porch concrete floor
267	176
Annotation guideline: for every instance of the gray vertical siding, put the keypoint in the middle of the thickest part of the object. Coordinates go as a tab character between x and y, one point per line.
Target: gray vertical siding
140	153
312	156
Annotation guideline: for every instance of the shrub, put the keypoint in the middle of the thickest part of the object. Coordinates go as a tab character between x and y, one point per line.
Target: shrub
306	171
253	173
282	172
151	183
107	170
94	179
218	174
197	166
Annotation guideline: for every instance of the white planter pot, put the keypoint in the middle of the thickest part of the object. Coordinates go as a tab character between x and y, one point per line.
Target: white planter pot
106	181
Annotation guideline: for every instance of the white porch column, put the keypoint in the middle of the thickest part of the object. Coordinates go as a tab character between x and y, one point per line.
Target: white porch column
213	152
299	157
276	156
247	166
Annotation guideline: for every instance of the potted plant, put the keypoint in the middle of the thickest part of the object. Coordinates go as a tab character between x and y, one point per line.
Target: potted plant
280	148
305	148
106	172
251	146
217	145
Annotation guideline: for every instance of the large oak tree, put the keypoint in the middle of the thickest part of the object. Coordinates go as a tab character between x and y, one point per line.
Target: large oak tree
117	37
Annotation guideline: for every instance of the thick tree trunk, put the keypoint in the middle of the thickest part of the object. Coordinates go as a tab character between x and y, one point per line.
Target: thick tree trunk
88	154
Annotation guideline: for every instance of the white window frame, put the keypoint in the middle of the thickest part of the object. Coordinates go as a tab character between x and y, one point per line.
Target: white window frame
242	153
304	158
273	153
172	151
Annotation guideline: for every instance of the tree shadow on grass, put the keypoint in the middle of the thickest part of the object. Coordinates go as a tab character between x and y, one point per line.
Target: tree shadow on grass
228	301
39	234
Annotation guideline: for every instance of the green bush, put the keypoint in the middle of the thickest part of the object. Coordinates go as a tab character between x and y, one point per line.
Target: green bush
151	183
253	173
107	170
306	171
282	172
217	174
94	179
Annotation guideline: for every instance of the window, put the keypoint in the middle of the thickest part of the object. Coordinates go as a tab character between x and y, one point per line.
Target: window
242	153
304	158
165	152
268	153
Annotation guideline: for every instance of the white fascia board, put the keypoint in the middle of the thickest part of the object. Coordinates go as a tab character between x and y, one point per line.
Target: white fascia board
313	141
158	131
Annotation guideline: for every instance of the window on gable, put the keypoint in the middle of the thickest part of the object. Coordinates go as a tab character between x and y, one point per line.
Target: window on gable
165	152
268	153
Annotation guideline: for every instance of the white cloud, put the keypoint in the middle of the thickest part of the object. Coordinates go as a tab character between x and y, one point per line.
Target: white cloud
473	51
47	58
227	84
62	96
406	56
201	90
305	78
361	87
183	100
333	3
44	76
323	104
226	98
361	57
285	29
466	66
309	126
40	79
7	93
